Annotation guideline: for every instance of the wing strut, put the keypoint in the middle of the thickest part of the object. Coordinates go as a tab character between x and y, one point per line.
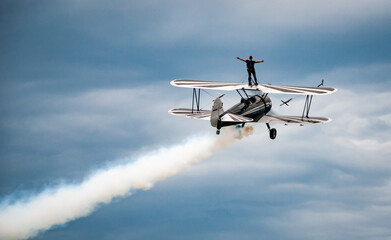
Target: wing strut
239	93
197	98
308	102
245	92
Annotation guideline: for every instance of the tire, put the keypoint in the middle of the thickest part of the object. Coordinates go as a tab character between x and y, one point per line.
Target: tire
273	133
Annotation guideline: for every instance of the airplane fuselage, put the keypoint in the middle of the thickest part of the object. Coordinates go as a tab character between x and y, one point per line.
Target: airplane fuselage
254	107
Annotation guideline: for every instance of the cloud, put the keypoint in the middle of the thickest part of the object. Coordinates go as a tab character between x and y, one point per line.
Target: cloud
320	181
57	129
264	21
60	134
336	218
26	217
175	23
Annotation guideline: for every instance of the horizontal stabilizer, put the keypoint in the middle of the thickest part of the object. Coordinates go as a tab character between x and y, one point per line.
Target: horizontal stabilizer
229	86
230	117
293	119
205	115
186	112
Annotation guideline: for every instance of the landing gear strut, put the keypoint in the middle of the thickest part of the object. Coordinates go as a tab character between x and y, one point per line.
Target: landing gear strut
272	132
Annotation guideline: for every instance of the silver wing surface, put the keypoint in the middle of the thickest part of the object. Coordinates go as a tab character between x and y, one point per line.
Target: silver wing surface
205	115
186	112
230	117
229	86
293	119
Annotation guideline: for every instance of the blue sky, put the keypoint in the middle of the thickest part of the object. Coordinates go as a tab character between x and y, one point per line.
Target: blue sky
85	84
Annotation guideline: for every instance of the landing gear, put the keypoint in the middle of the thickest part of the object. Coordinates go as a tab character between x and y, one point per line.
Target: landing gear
272	132
217	131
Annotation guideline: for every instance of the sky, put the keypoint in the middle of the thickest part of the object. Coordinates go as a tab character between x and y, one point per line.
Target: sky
84	85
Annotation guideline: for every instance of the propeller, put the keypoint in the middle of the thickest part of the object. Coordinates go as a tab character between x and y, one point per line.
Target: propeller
285	102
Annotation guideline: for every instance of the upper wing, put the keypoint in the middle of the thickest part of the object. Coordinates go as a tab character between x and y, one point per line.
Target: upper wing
201	114
228	86
297	90
293	119
187	83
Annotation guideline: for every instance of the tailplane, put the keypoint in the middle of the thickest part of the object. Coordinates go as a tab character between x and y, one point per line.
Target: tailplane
217	111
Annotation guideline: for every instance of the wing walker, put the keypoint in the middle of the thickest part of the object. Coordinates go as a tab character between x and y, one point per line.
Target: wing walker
252	108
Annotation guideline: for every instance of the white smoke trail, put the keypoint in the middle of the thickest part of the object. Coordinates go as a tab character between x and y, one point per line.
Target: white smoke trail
28	217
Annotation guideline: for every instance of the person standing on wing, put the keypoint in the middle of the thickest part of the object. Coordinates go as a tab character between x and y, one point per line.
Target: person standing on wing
250	68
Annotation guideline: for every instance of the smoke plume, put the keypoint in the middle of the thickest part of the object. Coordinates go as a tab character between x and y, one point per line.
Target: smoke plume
58	205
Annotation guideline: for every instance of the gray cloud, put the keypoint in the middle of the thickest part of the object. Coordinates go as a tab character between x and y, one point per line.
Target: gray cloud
223	20
26	217
298	164
74	97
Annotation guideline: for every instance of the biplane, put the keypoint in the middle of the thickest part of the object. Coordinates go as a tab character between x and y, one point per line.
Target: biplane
252	108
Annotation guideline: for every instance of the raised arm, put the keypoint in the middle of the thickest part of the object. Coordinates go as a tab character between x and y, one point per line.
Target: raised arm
259	61
241	59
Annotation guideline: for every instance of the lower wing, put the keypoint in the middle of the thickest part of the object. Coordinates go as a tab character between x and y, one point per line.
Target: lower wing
190	113
293	119
230	117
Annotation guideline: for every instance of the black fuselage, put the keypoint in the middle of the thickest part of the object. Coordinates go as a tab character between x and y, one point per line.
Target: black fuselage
254	107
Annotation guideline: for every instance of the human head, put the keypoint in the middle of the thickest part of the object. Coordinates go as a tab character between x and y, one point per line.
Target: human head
251	57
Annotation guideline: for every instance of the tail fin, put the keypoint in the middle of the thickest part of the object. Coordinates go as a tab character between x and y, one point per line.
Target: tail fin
217	111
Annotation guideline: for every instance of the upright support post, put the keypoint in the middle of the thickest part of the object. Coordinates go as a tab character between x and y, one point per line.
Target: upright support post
199	99
196	97
307	106
308	102
245	92
239	93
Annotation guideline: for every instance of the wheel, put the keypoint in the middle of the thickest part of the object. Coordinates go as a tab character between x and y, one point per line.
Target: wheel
273	133
217	132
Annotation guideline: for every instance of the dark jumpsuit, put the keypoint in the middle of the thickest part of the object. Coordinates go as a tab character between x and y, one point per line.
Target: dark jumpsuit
251	70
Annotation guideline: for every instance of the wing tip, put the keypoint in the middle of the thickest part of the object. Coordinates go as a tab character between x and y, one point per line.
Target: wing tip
321	120
332	91
179	111
171	111
173	82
